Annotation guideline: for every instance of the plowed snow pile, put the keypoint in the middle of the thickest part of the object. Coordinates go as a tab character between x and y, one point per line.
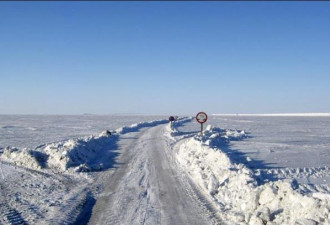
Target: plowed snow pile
81	154
235	189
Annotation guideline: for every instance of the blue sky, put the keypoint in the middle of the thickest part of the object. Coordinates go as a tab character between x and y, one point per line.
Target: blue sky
164	57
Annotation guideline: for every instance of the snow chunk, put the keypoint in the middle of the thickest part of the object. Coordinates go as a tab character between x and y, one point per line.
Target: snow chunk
25	157
217	137
267	195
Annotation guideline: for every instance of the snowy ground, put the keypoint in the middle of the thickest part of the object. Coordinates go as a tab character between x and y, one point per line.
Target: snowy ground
275	142
279	146
247	196
30	131
249	170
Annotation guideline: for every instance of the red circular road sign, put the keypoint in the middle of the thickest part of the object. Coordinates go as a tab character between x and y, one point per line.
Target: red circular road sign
201	117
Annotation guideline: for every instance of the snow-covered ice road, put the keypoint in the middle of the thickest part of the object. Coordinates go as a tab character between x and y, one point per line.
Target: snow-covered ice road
150	173
148	187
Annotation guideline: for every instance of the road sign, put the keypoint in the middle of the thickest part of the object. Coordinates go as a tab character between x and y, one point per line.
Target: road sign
201	117
171	118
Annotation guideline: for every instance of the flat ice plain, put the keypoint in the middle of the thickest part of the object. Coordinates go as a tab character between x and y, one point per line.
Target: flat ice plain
29	131
278	141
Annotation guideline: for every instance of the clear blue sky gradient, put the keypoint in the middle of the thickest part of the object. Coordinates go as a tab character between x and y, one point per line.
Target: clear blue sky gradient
164	57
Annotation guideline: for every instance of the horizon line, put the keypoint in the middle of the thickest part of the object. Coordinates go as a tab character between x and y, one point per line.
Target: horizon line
270	114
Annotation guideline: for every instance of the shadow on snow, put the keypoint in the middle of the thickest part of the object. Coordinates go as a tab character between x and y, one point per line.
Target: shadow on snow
235	155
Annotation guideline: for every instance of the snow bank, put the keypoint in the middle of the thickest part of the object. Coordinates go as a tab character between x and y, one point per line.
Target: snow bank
60	156
236	191
76	154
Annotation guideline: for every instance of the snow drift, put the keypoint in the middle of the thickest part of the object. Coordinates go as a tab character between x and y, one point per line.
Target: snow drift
235	190
75	154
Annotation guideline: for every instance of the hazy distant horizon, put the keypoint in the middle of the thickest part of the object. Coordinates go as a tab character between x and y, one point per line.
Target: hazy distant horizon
271	114
166	114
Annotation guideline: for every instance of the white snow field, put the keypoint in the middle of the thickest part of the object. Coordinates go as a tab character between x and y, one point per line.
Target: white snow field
30	131
243	170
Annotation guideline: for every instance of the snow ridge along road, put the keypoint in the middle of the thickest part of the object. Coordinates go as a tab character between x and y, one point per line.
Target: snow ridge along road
234	187
149	188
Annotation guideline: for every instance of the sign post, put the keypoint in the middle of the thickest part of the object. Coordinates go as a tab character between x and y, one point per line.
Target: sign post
201	118
171	119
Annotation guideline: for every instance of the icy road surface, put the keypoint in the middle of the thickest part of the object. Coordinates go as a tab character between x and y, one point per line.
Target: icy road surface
148	187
